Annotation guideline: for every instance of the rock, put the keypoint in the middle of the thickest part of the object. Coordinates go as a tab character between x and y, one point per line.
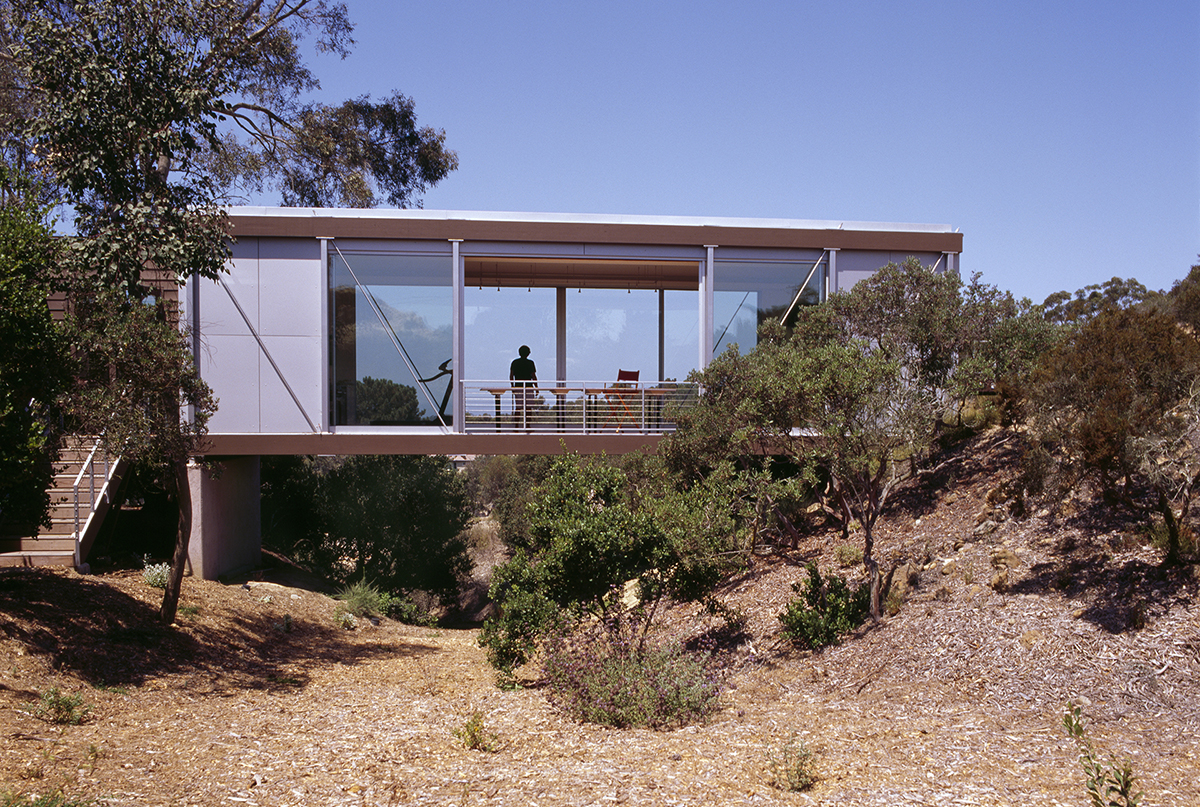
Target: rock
1031	637
902	579
985	527
1005	558
1000	580
950	566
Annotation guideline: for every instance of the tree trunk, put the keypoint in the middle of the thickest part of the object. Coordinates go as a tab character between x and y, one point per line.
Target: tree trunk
1172	525
183	495
872	567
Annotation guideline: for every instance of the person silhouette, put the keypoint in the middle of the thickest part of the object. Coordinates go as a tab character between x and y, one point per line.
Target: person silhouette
522	374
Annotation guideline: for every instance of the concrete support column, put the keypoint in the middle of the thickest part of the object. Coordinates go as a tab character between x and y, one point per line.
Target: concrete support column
226	517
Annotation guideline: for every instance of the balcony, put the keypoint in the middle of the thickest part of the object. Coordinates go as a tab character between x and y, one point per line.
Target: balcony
574	407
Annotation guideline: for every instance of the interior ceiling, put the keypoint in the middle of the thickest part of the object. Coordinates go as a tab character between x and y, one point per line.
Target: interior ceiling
588	274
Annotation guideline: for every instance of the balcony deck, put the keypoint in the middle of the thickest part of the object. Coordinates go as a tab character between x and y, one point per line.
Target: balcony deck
588	417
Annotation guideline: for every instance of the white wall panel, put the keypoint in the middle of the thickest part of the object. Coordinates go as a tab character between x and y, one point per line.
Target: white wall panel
218	315
230	366
299	359
292	296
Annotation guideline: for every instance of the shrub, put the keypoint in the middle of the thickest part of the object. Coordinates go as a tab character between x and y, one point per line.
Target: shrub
363	599
610	680
1109	784
475	736
155	574
56	707
395	520
847	555
589	532
791	765
404	609
825	610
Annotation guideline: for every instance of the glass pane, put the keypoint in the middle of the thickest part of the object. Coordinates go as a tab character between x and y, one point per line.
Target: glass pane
390	332
748	293
681	352
498	321
610	330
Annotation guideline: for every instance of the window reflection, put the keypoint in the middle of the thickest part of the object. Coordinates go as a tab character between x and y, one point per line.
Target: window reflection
748	293
392	334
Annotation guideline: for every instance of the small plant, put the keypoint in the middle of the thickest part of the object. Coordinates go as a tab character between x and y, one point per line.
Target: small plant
1159	536
45	800
825	610
189	611
475	736
893	602
55	707
611	680
344	618
1109	784
848	555
363	599
115	690
791	765
94	754
155	574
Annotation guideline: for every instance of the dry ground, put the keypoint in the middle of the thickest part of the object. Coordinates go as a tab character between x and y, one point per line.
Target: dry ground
957	699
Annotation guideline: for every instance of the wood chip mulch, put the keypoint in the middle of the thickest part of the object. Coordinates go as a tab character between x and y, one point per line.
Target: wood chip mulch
257	697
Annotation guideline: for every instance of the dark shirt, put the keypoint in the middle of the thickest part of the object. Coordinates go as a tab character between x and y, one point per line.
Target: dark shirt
522	370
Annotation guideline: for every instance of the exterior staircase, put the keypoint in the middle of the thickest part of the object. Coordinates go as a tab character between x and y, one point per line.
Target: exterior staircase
80	496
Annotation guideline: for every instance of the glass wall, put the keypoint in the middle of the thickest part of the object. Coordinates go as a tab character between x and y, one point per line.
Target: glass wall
392	319
497	321
748	293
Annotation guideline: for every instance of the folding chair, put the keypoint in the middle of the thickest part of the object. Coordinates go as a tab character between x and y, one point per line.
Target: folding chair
624	400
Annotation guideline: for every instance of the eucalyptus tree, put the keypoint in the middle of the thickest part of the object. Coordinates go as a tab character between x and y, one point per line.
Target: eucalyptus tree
850	395
146	116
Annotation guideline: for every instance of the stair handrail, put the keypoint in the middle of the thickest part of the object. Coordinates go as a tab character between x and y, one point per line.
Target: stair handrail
89	467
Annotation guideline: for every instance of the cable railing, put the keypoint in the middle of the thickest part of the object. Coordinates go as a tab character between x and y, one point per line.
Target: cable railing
580	407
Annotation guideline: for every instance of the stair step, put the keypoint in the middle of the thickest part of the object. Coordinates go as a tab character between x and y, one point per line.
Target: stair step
37	558
43	543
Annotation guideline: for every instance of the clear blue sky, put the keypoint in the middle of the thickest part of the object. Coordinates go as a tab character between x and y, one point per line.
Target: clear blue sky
1063	138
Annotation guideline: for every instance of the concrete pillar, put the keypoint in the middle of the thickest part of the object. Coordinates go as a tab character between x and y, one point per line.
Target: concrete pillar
226	517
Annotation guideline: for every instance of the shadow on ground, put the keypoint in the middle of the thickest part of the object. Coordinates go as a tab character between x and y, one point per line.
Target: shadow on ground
1114	595
111	639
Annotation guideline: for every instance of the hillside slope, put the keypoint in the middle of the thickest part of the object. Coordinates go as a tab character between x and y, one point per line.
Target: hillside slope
257	697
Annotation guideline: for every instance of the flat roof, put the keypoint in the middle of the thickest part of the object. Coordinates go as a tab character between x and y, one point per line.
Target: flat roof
590	228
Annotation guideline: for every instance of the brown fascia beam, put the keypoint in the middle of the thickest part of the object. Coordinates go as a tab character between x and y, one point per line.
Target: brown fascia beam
592	233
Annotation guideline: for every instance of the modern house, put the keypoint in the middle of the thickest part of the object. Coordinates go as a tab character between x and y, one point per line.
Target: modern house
392	331
373	331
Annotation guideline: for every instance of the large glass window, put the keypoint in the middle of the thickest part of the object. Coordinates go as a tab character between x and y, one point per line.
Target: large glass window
392	338
617	329
748	293
497	321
